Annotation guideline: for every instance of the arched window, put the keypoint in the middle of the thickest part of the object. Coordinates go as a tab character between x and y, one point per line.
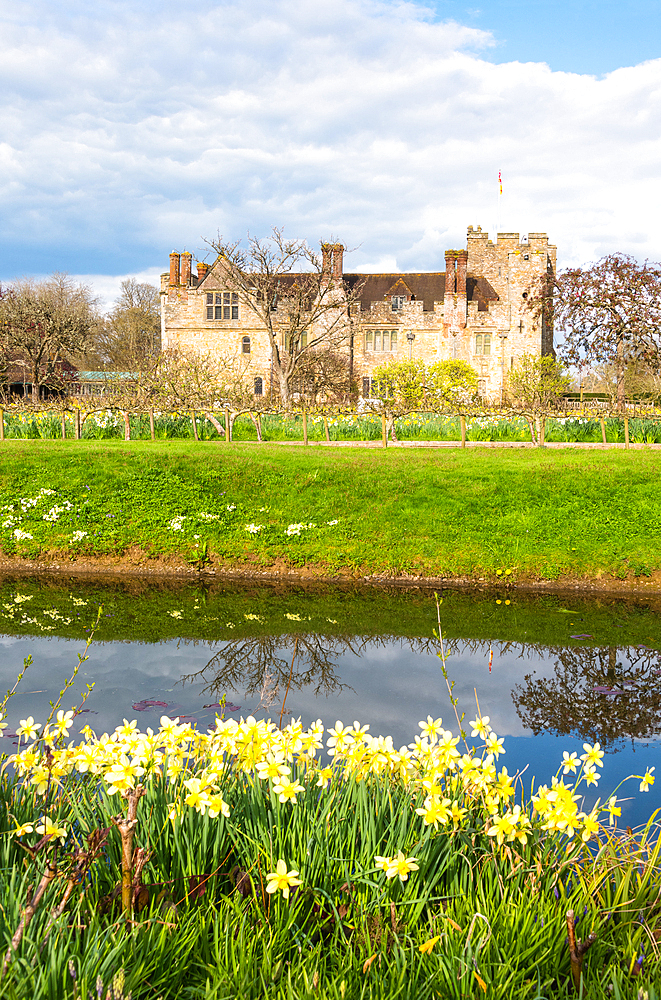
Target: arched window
245	345
259	386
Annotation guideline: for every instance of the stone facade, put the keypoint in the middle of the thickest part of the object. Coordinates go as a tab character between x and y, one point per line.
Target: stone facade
475	310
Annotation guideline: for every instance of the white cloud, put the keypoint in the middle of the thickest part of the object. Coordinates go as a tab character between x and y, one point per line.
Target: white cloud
131	129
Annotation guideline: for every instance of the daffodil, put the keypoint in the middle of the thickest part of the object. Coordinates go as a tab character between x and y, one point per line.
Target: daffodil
287	790
569	762
401	866
50	828
382	863
282	880
593	755
21	830
426	948
480	726
431	728
648	780
28	728
613	809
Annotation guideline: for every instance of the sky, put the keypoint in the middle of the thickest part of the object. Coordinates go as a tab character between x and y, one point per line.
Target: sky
129	130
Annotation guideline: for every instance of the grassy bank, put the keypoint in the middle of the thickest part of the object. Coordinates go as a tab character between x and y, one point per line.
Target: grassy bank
507	516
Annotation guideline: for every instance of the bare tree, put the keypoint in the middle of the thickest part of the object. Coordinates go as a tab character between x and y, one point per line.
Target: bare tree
298	296
43	323
608	313
131	331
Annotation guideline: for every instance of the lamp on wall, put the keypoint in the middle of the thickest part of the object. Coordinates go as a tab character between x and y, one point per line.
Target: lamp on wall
410	336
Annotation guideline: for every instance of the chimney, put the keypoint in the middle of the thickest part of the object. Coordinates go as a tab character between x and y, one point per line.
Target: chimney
326	256
201	271
186	260
462	271
174	268
338	253
448	300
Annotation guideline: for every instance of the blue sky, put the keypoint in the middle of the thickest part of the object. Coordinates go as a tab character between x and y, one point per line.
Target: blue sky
583	36
128	130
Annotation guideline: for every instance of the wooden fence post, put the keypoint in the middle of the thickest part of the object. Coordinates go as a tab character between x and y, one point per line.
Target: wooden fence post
305	426
326	431
64	426
384	431
227	425
127	426
603	430
77	417
2	424
626	432
462	423
151	425
542	431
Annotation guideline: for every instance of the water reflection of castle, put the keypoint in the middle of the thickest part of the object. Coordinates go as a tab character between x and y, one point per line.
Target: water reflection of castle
596	692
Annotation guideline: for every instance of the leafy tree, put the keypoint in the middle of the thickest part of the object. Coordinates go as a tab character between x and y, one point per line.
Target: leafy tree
535	385
43	323
294	295
608	313
451	383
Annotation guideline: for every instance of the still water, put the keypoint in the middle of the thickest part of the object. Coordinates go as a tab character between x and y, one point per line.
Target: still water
564	671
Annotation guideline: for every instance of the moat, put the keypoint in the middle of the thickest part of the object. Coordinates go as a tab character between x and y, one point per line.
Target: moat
551	672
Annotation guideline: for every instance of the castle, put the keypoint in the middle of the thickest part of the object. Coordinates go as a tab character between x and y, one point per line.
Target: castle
475	310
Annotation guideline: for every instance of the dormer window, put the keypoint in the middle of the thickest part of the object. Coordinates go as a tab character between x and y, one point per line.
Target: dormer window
398	302
222	305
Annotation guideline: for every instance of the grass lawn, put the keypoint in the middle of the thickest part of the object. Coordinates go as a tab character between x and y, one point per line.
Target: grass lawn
505	515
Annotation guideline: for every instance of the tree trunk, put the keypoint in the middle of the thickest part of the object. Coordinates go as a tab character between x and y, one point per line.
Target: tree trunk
603	430
532	430
305	426
326	432
219	427
258	425
127	426
195	435
626	432
619	368
462	421
77	419
2	424
228	433
64	426
542	431
151	425
384	431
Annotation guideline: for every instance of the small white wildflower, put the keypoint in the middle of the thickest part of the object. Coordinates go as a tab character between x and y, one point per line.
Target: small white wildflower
77	537
176	523
331	523
294	529
231	506
254	529
175	614
21	535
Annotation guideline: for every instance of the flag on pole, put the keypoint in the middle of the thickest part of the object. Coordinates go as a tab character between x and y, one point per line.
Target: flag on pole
500	183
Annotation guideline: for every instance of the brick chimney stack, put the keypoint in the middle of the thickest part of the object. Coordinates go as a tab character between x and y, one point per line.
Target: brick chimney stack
201	270
462	272
174	268
186	261
450	286
326	259
338	255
